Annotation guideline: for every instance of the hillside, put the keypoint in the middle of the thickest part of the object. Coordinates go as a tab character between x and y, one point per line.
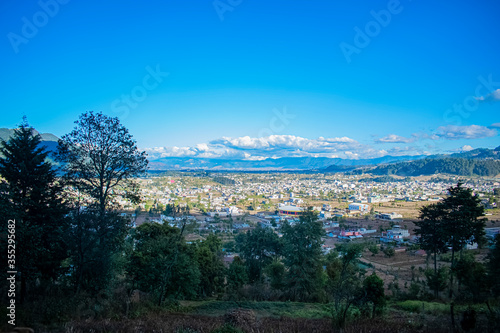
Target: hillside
49	140
429	166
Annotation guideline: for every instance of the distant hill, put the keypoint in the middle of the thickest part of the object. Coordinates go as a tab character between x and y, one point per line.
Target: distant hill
48	140
284	163
477	162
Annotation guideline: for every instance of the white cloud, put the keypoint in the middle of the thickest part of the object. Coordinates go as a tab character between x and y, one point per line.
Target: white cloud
274	146
393	138
279	146
452	132
466	148
493	97
495	125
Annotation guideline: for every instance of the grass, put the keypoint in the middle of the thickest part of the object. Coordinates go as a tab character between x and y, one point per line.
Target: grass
261	309
435	308
423	307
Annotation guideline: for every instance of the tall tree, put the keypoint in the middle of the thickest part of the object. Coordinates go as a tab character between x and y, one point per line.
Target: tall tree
99	155
459	224
258	248
433	237
462	211
236	275
302	254
344	280
100	160
373	287
162	263
209	258
32	196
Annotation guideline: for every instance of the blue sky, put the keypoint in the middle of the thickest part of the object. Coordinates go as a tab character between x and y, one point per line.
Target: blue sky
259	79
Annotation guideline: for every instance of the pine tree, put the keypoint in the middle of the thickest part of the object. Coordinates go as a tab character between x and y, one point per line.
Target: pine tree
32	196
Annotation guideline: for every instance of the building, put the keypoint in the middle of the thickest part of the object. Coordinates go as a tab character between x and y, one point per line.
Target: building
290	210
387	216
359	207
396	234
350	235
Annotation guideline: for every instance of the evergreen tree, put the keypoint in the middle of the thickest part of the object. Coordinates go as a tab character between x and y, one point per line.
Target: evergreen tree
162	263
373	288
302	255
210	265
258	248
32	196
236	275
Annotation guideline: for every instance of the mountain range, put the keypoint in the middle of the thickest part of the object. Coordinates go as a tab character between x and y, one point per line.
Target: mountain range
49	140
480	161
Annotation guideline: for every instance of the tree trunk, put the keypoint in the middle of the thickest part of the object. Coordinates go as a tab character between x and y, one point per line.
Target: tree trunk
436	291
452	314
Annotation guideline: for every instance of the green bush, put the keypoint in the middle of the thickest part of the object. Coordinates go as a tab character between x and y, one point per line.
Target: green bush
424	307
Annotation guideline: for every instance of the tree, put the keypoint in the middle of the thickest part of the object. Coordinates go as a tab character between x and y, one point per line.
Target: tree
99	155
162	263
276	273
210	265
236	275
373	288
451	224
456	223
462	223
302	254
32	197
100	160
258	247
432	238
493	267
472	278
344	280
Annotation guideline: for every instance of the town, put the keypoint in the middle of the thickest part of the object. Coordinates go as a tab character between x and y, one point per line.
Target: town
350	207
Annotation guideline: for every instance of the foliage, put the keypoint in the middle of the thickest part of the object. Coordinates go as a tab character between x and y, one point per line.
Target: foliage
389	251
451	224
493	266
224	180
236	275
276	273
430	166
437	279
472	277
373	288
212	270
32	198
162	263
100	154
344	280
258	248
96	242
302	255
99	157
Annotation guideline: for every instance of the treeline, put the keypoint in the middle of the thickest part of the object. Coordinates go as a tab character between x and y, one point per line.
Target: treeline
454	166
223	180
384	179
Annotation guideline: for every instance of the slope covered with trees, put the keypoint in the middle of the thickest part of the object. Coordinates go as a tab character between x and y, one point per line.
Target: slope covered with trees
453	166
